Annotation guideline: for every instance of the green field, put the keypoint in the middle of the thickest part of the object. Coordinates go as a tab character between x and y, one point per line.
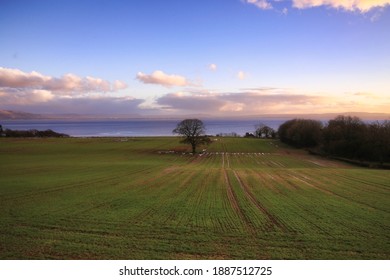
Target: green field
132	198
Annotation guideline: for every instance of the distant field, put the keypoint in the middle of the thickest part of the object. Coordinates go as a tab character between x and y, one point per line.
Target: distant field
132	198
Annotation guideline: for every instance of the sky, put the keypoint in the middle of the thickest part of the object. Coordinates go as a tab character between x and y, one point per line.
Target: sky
182	57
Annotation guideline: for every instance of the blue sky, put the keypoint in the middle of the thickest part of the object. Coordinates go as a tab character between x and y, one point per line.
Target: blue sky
218	57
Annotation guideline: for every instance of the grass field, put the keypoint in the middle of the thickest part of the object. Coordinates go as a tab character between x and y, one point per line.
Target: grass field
132	198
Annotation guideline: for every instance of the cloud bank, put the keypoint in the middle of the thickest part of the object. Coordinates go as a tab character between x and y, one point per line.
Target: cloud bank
267	101
254	101
160	78
67	84
37	93
103	105
362	6
70	93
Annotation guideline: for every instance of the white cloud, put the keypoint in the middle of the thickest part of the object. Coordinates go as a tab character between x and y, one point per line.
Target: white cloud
18	88
16	78
23	97
67	84
241	75
261	4
213	67
97	84
160	78
362	6
42	95
349	5
118	85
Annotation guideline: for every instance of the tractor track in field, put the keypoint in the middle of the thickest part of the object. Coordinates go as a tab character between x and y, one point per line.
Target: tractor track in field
225	157
274	220
232	197
236	207
234	201
227	160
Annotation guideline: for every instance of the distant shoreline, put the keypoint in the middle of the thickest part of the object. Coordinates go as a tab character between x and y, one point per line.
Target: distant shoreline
140	127
133	128
15	115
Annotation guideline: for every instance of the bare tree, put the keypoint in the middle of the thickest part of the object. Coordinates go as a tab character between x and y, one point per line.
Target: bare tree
193	131
263	130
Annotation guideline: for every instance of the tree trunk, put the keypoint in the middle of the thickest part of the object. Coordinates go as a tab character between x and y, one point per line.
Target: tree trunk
193	148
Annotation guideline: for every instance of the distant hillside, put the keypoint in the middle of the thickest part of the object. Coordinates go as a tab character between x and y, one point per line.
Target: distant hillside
15	115
323	116
12	115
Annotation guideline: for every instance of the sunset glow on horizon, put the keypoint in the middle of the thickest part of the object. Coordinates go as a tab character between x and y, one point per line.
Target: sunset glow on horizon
221	58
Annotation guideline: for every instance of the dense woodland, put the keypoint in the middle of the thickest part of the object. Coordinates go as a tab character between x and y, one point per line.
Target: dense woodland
344	137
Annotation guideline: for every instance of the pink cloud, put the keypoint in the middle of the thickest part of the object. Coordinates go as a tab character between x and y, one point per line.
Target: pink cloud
261	4
362	6
17	78
265	101
68	83
160	78
18	88
22	97
349	5
213	67
118	85
241	75
248	102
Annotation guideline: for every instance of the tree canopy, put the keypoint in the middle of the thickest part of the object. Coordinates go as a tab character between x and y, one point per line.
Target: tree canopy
265	131
193	131
344	136
301	132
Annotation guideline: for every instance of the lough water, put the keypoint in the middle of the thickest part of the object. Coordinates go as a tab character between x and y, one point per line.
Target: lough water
134	128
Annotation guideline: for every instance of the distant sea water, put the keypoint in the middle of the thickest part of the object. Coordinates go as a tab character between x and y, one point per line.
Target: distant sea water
134	128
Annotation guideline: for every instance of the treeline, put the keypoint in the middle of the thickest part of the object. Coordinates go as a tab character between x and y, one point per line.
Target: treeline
262	131
30	133
345	136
